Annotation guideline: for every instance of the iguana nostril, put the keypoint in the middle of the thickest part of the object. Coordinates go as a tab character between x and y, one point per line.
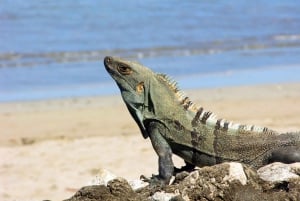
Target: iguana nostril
107	60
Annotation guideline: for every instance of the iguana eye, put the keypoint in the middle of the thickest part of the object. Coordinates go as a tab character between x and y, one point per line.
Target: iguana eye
124	70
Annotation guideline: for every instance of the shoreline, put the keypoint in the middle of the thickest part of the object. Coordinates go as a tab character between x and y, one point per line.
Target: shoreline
51	148
267	75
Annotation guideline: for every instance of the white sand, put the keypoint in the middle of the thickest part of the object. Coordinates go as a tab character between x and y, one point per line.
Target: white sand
49	149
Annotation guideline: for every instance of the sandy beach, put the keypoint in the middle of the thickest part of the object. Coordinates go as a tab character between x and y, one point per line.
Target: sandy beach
49	149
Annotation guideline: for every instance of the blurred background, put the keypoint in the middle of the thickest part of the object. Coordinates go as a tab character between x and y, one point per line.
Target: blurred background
54	49
241	59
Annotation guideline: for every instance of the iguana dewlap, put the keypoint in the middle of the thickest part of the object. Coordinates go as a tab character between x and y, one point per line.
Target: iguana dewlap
175	125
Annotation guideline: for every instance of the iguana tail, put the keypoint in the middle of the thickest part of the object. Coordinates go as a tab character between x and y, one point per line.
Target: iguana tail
289	153
285	155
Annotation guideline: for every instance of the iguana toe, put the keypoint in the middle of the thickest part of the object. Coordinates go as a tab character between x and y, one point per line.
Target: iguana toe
154	181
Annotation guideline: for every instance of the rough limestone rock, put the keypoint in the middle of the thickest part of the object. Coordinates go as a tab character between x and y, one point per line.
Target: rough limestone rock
222	182
163	196
279	172
236	172
116	190
213	182
102	177
137	184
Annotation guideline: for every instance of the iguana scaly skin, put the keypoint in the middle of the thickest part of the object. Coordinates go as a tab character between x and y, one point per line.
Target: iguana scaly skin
175	125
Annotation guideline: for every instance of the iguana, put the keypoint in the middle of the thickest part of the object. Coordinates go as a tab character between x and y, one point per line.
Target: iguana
175	125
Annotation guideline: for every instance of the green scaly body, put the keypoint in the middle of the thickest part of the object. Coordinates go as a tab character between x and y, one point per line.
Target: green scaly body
176	125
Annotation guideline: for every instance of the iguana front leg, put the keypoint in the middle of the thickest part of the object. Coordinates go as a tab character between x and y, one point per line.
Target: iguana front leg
164	152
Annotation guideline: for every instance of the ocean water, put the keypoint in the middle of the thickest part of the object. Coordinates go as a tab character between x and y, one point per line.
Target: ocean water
54	49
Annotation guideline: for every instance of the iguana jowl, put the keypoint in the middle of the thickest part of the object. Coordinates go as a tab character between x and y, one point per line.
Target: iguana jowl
175	125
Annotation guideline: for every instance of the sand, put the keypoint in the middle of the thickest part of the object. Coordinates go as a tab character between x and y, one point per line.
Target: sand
49	149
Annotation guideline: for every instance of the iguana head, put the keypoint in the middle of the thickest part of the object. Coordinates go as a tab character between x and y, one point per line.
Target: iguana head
133	81
129	76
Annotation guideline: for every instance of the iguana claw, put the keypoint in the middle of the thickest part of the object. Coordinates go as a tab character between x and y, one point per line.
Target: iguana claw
154	180
144	178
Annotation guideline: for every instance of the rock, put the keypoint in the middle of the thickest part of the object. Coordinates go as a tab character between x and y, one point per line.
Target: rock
213	182
279	172
117	190
236	172
102	178
162	196
120	188
137	184
222	182
91	193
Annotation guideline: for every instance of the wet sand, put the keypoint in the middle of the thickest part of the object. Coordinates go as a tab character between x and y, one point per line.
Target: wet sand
51	148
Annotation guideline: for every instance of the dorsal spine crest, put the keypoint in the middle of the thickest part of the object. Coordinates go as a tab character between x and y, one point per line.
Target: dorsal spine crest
208	117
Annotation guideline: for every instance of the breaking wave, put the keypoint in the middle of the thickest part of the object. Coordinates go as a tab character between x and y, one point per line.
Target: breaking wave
200	48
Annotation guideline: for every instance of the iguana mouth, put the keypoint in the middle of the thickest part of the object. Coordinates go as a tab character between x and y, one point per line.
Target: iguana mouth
107	63
111	68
